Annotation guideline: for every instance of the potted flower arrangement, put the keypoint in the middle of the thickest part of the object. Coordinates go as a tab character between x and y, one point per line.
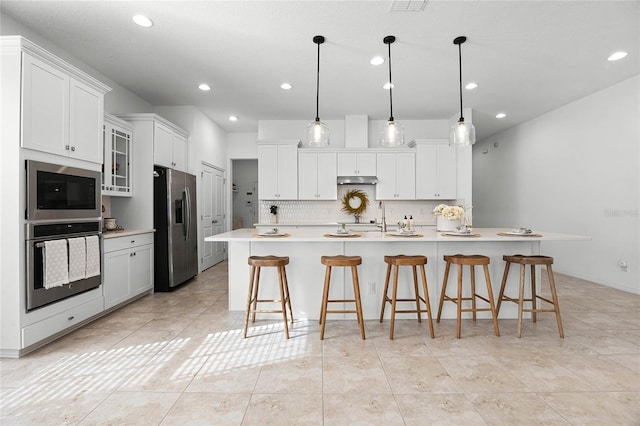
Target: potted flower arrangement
449	218
274	213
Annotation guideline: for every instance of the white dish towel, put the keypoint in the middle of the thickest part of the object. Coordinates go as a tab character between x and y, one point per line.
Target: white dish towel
77	259
55	263
93	256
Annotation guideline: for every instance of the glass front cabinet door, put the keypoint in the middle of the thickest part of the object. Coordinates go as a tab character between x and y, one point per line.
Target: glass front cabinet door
116	173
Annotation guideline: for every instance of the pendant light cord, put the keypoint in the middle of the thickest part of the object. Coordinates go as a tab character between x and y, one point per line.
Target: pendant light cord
460	73
318	85
390	85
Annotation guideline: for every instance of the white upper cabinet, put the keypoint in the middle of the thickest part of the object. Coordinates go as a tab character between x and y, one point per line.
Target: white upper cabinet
317	176
356	164
278	170
169	148
436	172
396	176
62	108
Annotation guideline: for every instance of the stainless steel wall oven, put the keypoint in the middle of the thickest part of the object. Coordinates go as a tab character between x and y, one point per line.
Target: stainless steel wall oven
37	234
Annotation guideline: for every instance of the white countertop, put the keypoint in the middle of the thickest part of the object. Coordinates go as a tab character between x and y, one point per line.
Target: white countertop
125	233
314	234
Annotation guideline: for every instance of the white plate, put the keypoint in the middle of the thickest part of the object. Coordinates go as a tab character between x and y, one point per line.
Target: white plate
339	234
271	234
460	234
517	233
403	234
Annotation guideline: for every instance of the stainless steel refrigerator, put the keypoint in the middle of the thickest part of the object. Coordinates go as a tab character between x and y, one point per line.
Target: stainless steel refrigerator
175	222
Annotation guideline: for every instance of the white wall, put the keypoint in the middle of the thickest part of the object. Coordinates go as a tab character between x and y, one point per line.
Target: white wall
572	170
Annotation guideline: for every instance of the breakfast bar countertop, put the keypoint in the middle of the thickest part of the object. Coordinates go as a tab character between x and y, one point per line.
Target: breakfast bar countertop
424	234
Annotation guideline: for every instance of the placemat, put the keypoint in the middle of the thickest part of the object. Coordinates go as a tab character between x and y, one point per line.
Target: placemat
504	234
405	236
343	236
444	234
285	235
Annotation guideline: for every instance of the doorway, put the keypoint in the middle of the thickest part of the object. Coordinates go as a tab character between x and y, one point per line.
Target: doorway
212	217
245	207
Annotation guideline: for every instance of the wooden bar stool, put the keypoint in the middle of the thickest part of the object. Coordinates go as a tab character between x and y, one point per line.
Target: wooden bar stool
472	261
258	262
329	262
414	262
533	261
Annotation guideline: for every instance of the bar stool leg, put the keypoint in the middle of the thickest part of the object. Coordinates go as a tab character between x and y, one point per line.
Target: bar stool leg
417	293
356	291
503	285
286	292
554	296
521	299
459	302
473	291
325	300
283	302
534	294
250	297
445	281
394	295
427	301
491	302
385	298
255	298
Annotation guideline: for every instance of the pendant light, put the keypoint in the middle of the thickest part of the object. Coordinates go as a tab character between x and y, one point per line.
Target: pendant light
461	133
318	132
391	133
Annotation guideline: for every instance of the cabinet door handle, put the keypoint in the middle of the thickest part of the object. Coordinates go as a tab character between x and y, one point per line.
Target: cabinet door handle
71	318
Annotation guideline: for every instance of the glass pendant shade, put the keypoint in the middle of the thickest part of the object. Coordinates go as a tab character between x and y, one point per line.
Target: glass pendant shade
462	134
317	134
391	134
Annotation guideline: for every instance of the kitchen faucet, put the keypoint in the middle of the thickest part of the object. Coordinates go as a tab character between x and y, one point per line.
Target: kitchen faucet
383	223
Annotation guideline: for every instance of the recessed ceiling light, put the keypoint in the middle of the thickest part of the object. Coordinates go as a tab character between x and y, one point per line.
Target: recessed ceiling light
233	118
143	21
501	115
285	86
204	87
388	86
471	86
617	55
377	60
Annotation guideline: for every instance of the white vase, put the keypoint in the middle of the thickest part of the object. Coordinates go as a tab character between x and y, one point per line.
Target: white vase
274	218
447	225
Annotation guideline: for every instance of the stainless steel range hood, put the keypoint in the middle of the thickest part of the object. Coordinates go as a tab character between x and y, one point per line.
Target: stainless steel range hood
357	180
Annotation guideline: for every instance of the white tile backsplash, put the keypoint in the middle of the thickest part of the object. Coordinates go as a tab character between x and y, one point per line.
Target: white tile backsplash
312	212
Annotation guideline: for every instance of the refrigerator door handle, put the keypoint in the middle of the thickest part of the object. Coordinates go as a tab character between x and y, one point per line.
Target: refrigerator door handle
185	214
188	213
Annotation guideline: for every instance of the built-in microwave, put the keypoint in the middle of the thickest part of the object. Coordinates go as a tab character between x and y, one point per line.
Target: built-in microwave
57	192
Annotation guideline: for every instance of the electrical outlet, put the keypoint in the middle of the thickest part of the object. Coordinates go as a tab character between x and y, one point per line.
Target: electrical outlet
371	287
623	265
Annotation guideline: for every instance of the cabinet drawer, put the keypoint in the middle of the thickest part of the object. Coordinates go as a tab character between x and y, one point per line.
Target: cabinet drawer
52	325
128	241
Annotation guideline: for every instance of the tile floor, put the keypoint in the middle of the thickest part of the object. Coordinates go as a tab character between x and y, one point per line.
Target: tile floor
180	359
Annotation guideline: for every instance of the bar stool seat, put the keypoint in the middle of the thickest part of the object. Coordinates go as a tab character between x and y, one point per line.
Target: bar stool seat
523	261
472	261
395	262
344	261
258	262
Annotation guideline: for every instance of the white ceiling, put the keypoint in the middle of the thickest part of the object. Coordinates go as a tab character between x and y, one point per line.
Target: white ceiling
528	57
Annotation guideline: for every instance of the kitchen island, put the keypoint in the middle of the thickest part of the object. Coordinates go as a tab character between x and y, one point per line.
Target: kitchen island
305	273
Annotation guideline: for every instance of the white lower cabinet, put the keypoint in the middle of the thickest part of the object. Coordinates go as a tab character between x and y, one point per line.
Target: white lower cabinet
128	267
